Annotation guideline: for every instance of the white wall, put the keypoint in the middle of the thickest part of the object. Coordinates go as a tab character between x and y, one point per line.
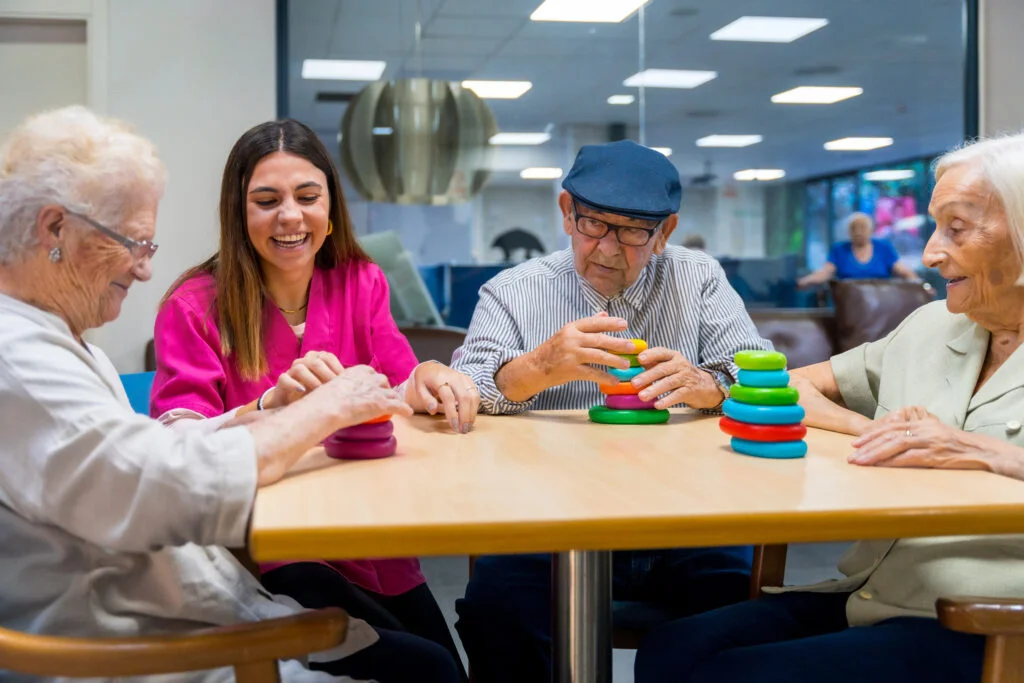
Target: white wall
191	75
731	219
533	208
1001	63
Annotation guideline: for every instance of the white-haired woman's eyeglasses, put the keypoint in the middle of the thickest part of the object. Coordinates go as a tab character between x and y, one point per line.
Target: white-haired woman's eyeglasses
139	249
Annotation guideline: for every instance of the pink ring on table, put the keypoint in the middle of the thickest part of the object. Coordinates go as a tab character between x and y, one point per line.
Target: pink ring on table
360	450
365	432
628	402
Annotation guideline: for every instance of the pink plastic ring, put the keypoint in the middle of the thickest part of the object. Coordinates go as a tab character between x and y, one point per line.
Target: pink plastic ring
360	450
365	432
628	402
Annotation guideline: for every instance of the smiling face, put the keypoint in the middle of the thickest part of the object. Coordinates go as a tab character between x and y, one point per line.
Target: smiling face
609	266
972	246
287	212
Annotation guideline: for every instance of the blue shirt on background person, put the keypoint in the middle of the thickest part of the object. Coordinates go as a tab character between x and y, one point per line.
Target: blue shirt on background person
848	267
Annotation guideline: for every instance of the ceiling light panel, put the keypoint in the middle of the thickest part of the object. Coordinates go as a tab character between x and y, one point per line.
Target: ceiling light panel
816	95
669	78
589	11
768	29
729	140
342	69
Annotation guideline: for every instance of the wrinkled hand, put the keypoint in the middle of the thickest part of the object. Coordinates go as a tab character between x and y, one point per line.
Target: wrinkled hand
569	354
902	416
360	393
306	374
432	383
668	372
920	442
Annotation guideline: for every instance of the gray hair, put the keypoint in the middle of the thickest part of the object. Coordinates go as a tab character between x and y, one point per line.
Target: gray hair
72	157
1000	162
859	217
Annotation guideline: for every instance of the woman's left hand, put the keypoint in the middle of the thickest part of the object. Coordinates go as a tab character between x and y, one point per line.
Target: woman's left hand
923	441
433	386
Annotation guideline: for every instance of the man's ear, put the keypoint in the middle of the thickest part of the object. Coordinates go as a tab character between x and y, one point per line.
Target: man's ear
667	228
565	204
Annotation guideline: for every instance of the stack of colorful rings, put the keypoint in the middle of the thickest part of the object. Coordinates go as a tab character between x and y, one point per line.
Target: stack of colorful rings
367	441
622	406
761	413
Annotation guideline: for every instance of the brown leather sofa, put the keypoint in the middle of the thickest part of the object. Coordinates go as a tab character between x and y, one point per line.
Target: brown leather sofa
863	311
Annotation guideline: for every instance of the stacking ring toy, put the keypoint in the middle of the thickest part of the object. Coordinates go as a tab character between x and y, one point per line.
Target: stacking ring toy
763	378
631	357
640	345
625	375
752	432
378	420
760	360
620	389
779	449
365	432
627	402
360	450
763	415
776	396
608	416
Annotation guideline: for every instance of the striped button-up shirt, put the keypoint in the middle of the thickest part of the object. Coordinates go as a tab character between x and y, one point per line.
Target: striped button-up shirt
681	301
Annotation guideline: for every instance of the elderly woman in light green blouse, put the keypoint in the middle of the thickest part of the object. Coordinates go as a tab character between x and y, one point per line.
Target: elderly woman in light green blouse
945	389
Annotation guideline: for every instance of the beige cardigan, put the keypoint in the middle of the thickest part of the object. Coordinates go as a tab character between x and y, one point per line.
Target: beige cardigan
932	359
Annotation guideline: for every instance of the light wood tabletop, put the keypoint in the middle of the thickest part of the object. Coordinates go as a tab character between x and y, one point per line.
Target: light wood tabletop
553	481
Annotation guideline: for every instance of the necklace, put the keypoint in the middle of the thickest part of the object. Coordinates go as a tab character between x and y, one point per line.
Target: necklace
289	311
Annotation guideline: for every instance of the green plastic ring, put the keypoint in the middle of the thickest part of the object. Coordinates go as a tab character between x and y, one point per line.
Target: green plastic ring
764	396
631	357
760	360
605	415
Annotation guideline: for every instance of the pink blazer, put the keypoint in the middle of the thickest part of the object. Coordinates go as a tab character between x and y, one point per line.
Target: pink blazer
348	314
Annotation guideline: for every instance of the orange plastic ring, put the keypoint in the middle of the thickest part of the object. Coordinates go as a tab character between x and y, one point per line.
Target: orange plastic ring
620	389
377	420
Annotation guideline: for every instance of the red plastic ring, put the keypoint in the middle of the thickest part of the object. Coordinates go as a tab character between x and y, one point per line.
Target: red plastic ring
752	432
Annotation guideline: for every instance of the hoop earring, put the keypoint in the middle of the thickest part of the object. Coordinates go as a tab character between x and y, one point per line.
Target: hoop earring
55	255
330	227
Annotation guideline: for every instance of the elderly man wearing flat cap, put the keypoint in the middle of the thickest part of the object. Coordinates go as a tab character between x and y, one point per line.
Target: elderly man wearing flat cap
540	336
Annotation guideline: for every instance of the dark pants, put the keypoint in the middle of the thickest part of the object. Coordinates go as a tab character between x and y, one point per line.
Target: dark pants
804	638
415	643
505	617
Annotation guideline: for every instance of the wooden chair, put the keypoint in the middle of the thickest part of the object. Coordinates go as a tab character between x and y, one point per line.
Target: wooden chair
252	649
1001	621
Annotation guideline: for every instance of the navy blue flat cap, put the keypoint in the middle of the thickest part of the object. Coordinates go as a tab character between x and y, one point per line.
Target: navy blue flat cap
625	178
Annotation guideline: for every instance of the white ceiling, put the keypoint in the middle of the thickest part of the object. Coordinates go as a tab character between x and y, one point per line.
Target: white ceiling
907	55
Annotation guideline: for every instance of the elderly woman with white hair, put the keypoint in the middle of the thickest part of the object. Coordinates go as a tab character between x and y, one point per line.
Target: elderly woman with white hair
112	524
946	390
861	257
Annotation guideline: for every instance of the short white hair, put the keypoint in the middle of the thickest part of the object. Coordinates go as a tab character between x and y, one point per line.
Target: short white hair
87	163
1000	162
859	217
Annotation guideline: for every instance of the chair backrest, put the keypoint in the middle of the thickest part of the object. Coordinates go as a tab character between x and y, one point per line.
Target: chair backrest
138	386
867	310
434	343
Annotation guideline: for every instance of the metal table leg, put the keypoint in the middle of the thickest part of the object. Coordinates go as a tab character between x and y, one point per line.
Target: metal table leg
582	582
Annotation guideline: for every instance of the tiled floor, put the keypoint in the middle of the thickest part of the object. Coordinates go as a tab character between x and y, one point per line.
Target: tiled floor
805	563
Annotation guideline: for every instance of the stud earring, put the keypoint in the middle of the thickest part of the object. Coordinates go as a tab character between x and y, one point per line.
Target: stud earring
55	255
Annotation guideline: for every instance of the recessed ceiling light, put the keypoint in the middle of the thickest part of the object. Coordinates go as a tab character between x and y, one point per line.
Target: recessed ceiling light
729	140
667	151
540	173
591	11
520	138
621	99
857	144
807	94
498	90
342	69
768	29
893	174
669	78
760	174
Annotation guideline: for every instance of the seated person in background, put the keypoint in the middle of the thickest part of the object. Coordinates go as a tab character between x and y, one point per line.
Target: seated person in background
288	300
695	242
538	335
112	524
942	390
861	258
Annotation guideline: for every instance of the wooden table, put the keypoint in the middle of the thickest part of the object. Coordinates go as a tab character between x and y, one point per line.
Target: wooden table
552	481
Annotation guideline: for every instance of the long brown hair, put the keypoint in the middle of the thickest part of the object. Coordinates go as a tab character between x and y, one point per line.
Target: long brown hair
236	265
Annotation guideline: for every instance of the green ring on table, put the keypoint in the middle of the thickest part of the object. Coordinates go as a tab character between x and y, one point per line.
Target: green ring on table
760	360
763	378
761	396
625	375
780	450
631	357
763	415
753	432
605	415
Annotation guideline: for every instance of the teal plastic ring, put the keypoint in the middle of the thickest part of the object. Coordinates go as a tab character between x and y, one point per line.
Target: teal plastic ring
763	378
625	375
764	449
763	415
